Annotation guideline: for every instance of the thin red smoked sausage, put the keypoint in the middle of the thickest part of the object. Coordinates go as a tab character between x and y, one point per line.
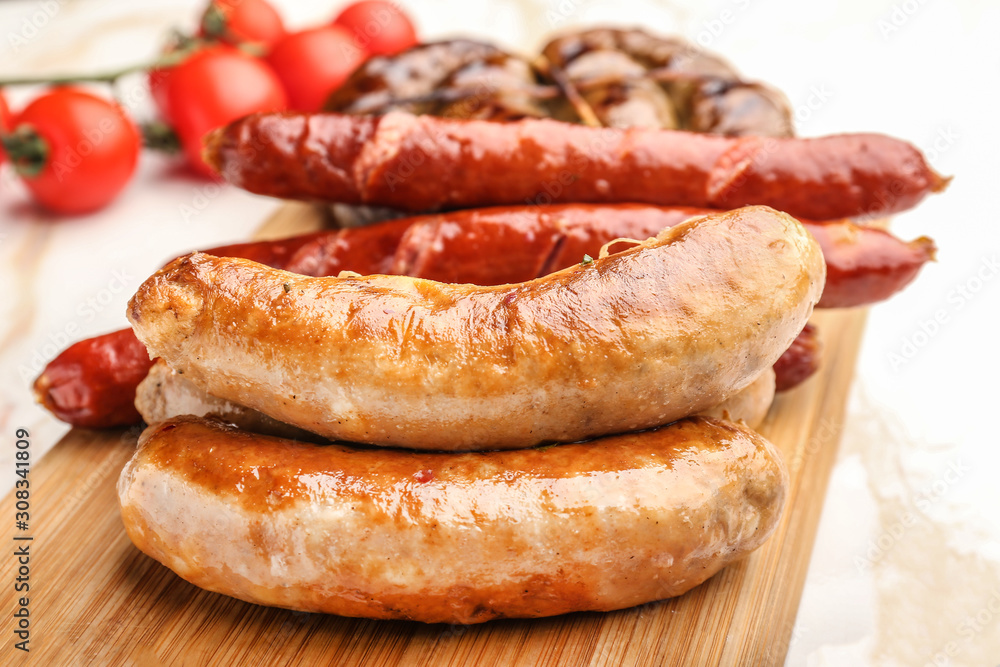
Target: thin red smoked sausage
93	383
422	163
865	265
501	245
799	361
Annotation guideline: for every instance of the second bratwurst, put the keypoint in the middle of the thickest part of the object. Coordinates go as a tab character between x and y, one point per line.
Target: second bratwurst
640	338
446	537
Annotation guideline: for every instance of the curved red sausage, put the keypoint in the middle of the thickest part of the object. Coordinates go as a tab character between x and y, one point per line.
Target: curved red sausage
422	163
483	246
865	265
92	383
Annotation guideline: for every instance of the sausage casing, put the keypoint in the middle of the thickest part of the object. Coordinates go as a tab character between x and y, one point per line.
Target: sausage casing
657	332
444	537
422	163
92	382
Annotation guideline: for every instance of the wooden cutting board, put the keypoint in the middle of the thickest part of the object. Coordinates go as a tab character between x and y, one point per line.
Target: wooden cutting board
94	598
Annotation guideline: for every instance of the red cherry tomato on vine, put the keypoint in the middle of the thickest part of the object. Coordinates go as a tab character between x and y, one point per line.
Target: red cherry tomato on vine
75	151
213	87
380	28
313	63
238	21
5	115
5	121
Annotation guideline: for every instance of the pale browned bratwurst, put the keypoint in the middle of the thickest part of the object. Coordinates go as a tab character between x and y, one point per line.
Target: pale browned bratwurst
634	340
445	537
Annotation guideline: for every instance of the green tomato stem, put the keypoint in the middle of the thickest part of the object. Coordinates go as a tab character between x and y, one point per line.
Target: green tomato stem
28	151
186	46
158	136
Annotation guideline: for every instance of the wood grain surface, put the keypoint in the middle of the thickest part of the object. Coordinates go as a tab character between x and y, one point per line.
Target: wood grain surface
95	599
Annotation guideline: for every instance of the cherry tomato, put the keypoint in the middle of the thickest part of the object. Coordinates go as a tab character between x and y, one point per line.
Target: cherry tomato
313	63
238	21
5	115
213	87
379	27
74	150
5	121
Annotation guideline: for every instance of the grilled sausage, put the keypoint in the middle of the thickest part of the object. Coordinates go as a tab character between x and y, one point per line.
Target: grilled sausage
663	330
444	537
421	163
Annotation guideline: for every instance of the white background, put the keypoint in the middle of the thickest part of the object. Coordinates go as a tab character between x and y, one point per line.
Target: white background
906	568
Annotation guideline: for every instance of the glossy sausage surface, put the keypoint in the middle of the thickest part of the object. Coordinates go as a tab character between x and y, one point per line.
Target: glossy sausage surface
422	163
657	332
451	538
504	244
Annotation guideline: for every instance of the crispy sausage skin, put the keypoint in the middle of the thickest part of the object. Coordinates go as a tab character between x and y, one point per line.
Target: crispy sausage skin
493	246
602	525
165	394
662	330
422	163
